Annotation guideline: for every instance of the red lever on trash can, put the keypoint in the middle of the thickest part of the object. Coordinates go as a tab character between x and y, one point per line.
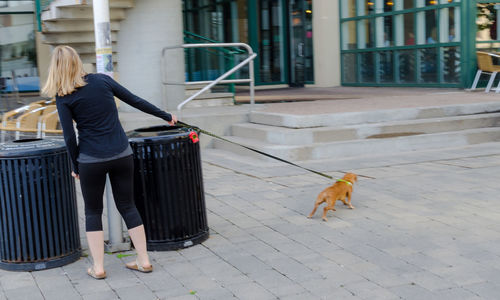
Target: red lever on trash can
194	137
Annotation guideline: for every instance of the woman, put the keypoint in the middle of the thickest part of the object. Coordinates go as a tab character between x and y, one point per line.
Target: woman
101	148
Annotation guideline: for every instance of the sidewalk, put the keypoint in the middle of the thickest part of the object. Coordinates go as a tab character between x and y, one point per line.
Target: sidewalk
425	227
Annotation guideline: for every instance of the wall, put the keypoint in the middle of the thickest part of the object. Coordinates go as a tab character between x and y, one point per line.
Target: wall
150	26
43	52
326	41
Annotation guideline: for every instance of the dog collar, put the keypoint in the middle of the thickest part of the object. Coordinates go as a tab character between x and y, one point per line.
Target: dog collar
342	180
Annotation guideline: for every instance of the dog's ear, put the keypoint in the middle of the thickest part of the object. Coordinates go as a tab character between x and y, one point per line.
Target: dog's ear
352	177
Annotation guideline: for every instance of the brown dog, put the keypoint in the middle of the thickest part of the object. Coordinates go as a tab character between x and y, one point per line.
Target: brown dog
340	190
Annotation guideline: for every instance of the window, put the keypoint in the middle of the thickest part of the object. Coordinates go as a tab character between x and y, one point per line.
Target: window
403	42
18	65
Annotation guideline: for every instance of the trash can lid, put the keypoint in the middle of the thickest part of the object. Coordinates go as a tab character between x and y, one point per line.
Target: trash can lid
30	147
153	133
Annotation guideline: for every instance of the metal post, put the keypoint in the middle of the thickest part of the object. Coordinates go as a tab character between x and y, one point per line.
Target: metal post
116	241
252	85
102	30
104	64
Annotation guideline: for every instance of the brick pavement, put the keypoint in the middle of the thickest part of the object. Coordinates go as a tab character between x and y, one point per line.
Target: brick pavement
425	227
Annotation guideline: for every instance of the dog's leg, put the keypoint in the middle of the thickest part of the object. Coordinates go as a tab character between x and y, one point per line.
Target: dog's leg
326	209
349	200
319	200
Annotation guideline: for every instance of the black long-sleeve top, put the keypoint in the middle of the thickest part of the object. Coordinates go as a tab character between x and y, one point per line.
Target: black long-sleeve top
93	108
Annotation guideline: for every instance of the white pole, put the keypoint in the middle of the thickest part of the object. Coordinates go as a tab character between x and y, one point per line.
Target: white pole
102	30
104	64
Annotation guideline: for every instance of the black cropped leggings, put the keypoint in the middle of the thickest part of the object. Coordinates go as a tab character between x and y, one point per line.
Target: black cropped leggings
93	181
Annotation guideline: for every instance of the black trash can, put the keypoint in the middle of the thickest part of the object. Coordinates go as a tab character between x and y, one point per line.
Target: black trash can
38	212
169	186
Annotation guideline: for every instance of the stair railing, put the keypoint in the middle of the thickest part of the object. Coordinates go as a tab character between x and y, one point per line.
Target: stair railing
41	5
221	79
203	59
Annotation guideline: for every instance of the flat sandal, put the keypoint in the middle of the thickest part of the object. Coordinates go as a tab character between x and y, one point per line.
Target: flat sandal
91	272
137	267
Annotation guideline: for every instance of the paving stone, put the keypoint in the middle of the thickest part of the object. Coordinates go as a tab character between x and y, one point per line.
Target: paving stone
455	293
24	293
300	296
103	295
135	292
16	280
411	291
172	293
485	290
215	294
250	291
327	289
369	290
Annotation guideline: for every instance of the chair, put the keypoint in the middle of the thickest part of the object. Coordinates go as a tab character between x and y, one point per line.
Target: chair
49	124
485	65
9	118
25	119
46	102
28	122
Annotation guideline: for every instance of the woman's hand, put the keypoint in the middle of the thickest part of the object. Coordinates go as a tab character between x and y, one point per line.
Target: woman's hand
77	176
173	121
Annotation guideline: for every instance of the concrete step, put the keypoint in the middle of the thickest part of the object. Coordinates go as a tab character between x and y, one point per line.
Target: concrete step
89	48
300	120
73	38
194	87
88	3
209	102
78	13
209	95
208	99
300	136
354	148
62	26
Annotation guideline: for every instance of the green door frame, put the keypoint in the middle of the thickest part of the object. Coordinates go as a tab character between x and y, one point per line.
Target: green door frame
469	61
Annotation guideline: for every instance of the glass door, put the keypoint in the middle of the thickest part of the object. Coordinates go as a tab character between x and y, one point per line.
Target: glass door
300	27
271	42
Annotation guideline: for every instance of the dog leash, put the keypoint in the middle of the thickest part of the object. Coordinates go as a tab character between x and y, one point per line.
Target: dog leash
182	124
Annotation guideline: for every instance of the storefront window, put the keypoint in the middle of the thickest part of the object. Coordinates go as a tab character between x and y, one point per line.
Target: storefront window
451	64
407	42
431	27
406	62
349	68
428	65
386	70
366	35
369	8
384	32
450	18
409	29
349	35
407	4
349	9
367	66
18	66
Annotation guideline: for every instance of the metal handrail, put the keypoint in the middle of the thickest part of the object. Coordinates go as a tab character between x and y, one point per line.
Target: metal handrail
220	79
199	38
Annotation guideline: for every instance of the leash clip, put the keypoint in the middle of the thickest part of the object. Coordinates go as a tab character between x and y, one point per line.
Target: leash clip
194	137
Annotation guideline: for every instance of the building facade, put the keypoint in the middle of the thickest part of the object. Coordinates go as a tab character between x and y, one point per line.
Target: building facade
427	43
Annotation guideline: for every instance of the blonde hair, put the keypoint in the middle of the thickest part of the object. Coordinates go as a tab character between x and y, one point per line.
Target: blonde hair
65	72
